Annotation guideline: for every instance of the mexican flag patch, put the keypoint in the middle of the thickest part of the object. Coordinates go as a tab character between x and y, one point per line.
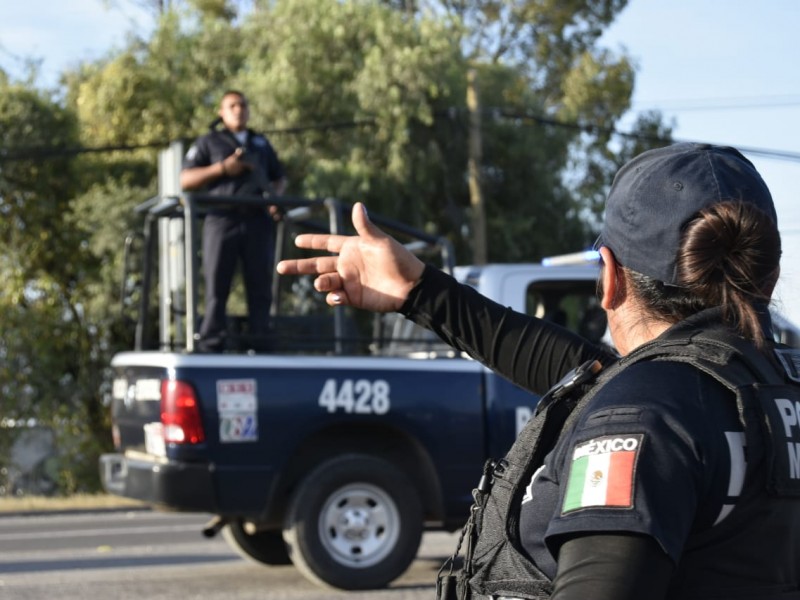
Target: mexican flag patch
601	473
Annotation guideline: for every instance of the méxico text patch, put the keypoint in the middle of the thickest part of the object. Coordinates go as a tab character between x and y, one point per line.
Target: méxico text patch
602	472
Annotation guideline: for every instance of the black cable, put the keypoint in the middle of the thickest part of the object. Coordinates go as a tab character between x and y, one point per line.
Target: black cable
42	152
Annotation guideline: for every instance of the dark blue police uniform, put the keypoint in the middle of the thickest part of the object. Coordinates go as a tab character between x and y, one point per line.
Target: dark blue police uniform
662	459
659	452
236	233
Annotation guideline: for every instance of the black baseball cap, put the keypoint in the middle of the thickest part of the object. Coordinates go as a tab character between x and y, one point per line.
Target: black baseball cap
657	193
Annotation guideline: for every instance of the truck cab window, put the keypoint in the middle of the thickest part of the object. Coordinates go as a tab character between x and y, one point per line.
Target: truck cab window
569	305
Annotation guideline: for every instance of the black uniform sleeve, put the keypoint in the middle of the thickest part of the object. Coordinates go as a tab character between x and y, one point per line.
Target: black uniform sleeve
198	154
612	567
533	353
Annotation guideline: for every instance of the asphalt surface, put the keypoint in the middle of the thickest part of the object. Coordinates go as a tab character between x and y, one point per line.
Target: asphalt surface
140	554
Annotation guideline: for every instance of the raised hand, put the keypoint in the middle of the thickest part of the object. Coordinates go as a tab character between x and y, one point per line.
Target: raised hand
372	270
236	164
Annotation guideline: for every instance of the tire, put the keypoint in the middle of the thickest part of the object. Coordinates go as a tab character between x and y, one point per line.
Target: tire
354	523
264	547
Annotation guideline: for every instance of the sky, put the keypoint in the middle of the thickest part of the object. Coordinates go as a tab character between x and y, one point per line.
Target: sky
724	70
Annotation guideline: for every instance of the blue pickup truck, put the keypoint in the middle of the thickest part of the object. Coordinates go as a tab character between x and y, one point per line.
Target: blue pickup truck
333	455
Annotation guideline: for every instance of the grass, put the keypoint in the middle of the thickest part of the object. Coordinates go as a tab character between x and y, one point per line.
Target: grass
76	502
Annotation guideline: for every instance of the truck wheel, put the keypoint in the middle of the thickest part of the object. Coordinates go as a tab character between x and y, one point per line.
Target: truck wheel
266	547
354	523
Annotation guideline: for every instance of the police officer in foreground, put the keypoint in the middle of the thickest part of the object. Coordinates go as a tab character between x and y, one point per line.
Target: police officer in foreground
676	473
235	161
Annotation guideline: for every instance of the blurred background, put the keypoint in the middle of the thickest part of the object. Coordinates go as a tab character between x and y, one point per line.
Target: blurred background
498	124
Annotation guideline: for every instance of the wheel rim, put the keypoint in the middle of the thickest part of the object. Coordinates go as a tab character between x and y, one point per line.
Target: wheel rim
359	525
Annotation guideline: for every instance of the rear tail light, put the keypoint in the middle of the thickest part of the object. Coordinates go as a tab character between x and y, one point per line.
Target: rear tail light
180	413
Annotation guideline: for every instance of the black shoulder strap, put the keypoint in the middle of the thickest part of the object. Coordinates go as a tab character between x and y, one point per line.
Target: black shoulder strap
730	359
767	400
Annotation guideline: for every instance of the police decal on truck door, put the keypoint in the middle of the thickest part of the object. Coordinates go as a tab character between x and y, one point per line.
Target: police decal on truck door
357	396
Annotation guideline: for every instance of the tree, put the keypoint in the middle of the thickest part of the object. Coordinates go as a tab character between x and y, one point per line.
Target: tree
371	75
47	344
542	39
375	103
364	100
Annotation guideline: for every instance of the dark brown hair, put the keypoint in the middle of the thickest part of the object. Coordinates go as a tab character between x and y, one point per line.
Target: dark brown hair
232	93
729	258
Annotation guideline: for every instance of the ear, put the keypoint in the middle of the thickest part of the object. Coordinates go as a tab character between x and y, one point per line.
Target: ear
612	285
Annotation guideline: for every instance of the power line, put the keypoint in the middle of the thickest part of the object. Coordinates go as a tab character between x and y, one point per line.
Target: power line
743	103
765	153
37	152
590	128
44	152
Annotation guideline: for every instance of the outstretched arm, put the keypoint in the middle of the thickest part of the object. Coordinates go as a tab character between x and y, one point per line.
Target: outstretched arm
372	270
375	272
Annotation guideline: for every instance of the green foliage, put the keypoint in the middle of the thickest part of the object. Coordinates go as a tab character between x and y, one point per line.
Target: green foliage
157	90
50	366
50	356
34	194
364	100
315	61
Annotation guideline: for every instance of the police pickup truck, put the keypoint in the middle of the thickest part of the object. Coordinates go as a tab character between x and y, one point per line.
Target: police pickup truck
331	451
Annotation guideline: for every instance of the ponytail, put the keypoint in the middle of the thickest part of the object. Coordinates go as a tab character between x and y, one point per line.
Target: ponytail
729	257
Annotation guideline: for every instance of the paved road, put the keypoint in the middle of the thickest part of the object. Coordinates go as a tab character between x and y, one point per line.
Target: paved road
142	555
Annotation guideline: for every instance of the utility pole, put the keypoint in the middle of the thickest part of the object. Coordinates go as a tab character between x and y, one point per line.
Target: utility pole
479	246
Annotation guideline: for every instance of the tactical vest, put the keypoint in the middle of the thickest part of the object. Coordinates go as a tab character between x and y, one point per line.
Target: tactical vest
768	402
